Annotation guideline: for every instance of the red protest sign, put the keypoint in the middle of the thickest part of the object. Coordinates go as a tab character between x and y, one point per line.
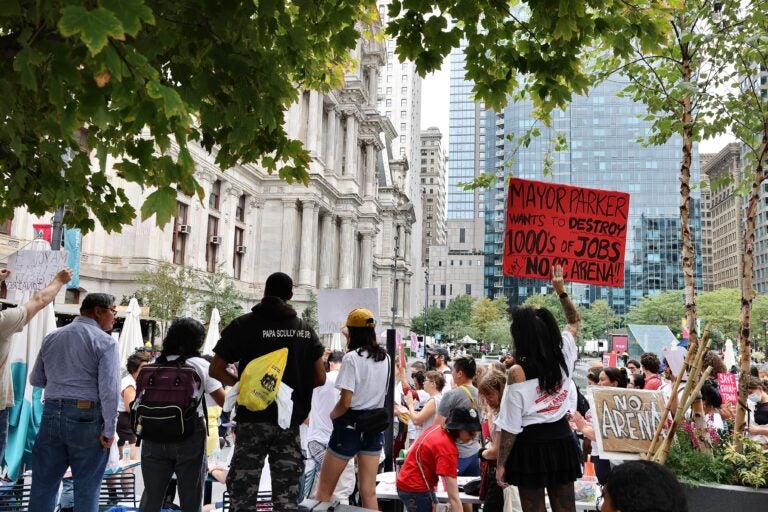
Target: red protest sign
582	229
729	389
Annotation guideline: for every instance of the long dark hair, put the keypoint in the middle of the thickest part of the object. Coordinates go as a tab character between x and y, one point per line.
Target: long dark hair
185	338
364	338
539	345
617	375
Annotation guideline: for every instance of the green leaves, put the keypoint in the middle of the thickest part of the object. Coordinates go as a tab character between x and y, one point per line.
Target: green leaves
131	14
162	203
172	102
93	27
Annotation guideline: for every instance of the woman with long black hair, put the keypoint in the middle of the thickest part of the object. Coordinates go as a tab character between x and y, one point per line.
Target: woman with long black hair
362	380
185	458
537	449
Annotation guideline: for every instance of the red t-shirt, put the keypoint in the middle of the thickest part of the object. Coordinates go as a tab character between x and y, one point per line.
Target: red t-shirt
653	383
438	456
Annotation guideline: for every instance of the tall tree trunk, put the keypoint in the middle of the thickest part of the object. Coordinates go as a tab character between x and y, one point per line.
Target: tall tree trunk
688	255
747	293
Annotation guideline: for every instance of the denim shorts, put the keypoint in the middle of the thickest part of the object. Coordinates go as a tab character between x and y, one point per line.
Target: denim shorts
346	442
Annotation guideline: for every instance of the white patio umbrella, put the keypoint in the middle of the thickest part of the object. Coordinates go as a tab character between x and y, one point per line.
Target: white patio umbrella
25	416
212	336
729	356
130	336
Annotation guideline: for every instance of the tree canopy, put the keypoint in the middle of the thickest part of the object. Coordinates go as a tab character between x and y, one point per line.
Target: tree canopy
130	79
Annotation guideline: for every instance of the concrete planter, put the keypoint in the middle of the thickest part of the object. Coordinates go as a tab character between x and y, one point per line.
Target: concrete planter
725	497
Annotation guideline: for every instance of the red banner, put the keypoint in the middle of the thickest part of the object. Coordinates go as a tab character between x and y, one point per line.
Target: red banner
43	231
582	229
609	359
620	343
729	389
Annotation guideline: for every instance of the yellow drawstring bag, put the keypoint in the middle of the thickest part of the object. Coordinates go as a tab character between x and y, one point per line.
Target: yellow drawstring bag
261	379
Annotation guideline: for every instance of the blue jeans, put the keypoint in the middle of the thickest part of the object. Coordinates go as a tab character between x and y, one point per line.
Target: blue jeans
68	437
416	501
3	433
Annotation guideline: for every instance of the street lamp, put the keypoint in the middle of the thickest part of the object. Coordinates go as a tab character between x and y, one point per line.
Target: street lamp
394	273
426	303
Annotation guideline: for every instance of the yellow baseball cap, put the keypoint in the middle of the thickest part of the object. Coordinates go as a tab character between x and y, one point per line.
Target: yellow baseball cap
360	317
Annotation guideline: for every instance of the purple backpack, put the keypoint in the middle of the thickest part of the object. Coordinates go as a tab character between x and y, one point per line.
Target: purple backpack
165	408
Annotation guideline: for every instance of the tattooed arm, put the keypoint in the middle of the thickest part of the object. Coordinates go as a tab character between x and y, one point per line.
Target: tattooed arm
571	313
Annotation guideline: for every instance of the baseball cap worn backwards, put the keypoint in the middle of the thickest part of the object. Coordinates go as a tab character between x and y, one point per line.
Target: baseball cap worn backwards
360	317
463	419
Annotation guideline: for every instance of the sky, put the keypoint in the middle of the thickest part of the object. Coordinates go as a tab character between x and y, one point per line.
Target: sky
435	100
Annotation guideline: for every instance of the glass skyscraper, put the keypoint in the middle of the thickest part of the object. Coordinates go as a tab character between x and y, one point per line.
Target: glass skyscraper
601	131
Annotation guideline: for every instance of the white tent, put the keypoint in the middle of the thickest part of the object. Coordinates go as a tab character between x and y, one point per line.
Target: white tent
130	336
213	335
467	340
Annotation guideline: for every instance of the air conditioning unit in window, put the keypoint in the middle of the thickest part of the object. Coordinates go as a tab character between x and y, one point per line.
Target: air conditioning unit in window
240	249
184	228
214	240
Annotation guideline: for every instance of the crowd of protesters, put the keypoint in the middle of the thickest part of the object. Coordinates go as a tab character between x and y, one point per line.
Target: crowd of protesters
517	422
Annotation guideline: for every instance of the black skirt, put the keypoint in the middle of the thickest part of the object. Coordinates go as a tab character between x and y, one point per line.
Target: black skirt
544	455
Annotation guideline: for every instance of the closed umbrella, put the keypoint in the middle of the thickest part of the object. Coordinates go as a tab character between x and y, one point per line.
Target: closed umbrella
729	357
24	418
212	336
130	335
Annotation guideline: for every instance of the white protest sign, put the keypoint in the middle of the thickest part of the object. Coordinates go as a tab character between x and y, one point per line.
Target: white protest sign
32	270
333	306
624	420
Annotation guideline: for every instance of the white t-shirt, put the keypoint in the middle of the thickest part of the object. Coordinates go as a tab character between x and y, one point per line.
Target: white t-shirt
209	383
365	378
414	431
448	376
324	399
525	404
127	382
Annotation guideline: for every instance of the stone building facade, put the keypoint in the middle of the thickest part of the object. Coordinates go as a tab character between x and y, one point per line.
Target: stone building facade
433	172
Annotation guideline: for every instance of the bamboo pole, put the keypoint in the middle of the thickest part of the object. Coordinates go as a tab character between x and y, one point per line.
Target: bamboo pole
690	359
693	362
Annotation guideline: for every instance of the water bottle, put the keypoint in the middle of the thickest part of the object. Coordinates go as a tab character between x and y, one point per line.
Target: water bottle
126	453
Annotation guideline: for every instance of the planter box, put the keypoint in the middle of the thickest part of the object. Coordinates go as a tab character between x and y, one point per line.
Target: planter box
725	497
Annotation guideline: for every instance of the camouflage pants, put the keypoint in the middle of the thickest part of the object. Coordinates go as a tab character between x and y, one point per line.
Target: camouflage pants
253	443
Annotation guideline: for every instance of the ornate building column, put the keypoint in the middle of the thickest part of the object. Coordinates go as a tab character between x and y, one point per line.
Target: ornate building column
288	246
330	146
373	84
198	242
227	228
350	148
314	123
366	256
253	219
370	169
308	228
347	254
328	232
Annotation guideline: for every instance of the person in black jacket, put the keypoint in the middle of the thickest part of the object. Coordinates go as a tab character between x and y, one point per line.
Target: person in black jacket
270	326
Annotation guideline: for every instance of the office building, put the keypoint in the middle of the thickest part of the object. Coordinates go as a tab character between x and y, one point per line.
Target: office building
723	173
399	100
432	168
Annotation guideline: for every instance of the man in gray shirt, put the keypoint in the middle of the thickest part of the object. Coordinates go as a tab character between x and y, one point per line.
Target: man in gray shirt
464	395
78	366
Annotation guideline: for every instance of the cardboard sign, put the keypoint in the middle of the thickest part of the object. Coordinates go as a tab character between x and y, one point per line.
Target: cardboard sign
33	270
620	343
582	229
729	388
333	306
624	420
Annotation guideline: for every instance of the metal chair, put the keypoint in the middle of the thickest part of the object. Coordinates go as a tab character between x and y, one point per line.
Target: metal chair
14	496
263	502
117	488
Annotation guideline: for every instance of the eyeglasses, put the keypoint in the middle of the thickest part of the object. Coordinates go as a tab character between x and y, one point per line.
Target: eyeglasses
632	367
112	309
